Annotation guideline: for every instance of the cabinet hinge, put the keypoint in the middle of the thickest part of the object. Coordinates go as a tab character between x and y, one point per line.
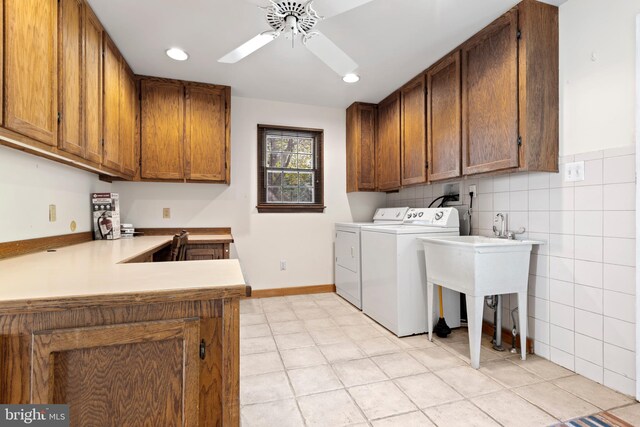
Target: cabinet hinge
519	35
426	164
519	141
59	116
203	348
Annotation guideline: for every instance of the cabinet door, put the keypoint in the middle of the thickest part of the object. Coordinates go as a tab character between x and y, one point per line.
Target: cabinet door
111	113
388	147
128	110
162	129
414	132
130	374
361	147
31	54
92	87
443	119
70	69
206	143
490	98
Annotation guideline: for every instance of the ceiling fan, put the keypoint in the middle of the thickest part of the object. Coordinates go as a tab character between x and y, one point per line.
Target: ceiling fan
299	18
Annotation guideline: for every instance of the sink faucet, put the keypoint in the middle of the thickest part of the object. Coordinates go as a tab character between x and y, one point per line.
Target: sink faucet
501	233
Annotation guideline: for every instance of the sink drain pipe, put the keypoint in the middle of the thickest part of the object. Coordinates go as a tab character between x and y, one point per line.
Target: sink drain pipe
494	302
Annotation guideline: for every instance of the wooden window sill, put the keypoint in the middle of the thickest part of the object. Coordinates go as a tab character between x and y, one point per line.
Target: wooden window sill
284	208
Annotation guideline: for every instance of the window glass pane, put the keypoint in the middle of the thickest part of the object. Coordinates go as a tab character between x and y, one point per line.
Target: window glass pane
274	178
306	195
306	179
290	195
290	179
278	143
274	160
305	145
305	161
290	161
274	194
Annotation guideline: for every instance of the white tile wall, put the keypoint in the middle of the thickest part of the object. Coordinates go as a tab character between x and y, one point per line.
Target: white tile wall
581	290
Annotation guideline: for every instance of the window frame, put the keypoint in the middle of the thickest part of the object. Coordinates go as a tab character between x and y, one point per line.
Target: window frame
265	207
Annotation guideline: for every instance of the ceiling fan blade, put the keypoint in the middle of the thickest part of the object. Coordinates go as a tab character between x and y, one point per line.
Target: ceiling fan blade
248	48
331	54
329	8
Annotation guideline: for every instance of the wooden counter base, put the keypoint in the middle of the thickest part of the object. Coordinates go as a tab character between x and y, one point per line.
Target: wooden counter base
170	363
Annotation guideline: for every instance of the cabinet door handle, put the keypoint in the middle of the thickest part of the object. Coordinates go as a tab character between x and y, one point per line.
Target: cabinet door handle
352	254
203	347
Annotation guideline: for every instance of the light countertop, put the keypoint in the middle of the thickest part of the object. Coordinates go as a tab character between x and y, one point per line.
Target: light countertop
92	270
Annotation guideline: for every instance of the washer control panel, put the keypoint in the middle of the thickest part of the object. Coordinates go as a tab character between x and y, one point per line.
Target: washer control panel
390	214
439	217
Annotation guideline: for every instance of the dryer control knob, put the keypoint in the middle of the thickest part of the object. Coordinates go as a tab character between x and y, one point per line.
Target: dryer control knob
439	215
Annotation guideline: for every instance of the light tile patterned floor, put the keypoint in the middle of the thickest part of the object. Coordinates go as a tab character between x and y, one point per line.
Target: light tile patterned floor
314	360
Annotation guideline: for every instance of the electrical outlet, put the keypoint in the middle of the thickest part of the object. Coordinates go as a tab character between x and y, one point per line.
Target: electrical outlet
52	213
574	172
73	226
473	190
283	265
166	213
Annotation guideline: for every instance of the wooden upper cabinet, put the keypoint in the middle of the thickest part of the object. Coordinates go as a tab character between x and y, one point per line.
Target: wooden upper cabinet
30	68
162	129
70	69
538	82
361	147
207	133
413	132
388	145
444	118
153	372
111	106
490	98
92	89
128	119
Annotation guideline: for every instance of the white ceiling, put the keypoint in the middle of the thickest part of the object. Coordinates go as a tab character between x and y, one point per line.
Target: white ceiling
391	40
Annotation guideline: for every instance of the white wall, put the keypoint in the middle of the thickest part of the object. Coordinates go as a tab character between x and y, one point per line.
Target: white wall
597	95
305	241
29	184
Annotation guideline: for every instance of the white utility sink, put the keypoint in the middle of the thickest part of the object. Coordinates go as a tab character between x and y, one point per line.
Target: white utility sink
478	267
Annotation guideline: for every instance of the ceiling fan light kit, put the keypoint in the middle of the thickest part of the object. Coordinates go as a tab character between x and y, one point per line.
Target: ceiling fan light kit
294	18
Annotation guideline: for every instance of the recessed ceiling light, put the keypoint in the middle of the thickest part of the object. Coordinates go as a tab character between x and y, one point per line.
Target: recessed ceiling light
177	54
351	78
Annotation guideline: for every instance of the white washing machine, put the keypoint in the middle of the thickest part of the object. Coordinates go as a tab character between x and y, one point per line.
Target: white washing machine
394	285
348	277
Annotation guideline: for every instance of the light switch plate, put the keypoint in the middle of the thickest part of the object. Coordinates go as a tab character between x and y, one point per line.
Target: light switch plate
52	213
574	172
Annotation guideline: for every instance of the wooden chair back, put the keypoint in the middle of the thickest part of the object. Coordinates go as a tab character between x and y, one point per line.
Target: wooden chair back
179	246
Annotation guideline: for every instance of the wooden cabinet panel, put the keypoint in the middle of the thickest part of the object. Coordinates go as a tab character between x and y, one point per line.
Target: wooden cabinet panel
206	133
92	98
490	98
414	132
538	86
111	101
361	147
70	69
128	120
207	251
162	129
444	118
388	146
130	374
30	78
